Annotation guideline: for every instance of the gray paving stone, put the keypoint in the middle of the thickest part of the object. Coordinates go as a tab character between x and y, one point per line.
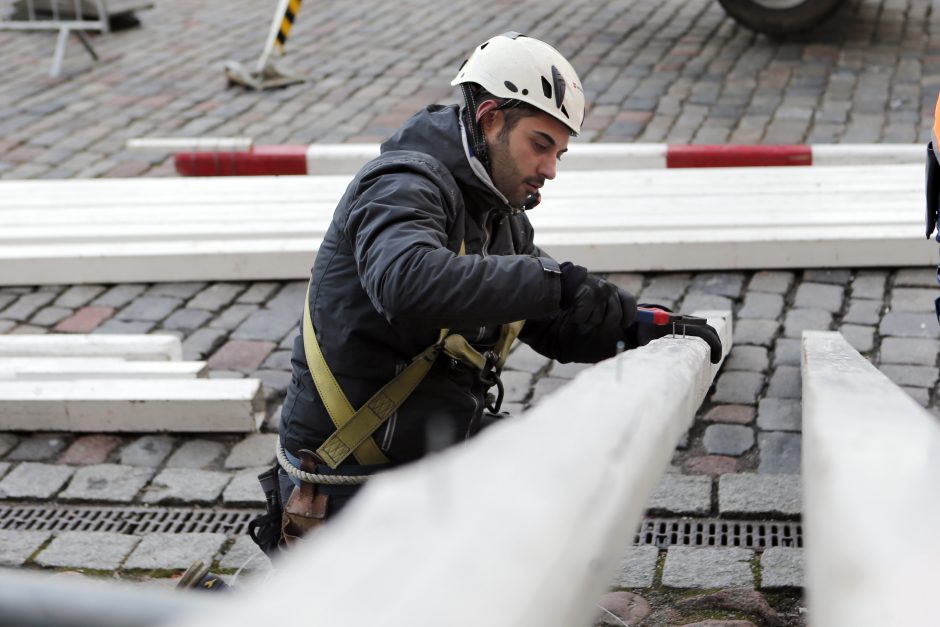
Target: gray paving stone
16	547
870	285
125	327
78	296
719	283
524	358
725	439
216	296
780	452
202	343
682	495
907	324
273	382
186	320
545	386
566	371
149	309
819	296
836	276
916	277
774	282
26	305
97	550
781	567
7	442
48	316
664	286
914	376
280	360
785	382
787	352
897	350
244	554
913	299
267	324
174	550
148	451
256	449
182	291
197	454
761	305
921	395
4	467
517	385
244	488
31	480
119	295
38	448
799	320
862	338
290	298
780	414
186	485
113	483
258	293
628	281
738	387
708	567
744	357
638	568
863	312
705	302
759	332
760	495
233	316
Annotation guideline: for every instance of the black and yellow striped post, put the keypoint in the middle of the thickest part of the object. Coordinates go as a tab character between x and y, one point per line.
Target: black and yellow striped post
267	74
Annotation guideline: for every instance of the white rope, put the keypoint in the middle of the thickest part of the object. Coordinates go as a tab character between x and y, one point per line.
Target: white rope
309	477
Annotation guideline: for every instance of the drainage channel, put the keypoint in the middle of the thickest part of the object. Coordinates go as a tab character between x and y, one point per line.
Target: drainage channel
659	532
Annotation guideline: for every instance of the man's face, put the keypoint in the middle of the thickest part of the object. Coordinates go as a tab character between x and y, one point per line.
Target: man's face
525	156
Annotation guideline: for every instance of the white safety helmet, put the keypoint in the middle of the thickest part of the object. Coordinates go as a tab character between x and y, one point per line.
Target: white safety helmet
529	70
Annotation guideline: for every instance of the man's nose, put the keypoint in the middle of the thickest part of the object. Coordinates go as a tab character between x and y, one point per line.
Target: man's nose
548	167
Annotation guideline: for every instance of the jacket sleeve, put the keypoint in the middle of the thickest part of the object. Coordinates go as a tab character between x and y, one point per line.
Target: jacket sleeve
397	228
557	337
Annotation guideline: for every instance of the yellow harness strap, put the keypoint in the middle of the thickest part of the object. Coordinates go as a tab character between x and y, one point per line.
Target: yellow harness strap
354	428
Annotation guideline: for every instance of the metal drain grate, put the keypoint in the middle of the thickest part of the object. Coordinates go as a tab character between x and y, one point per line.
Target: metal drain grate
127	520
751	534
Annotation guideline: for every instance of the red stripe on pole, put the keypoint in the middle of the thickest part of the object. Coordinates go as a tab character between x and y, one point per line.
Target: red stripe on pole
261	160
695	156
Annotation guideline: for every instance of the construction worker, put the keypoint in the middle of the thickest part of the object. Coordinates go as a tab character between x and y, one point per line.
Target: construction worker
425	276
933	187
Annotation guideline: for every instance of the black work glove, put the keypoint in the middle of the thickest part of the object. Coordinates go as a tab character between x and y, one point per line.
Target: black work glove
646	333
593	301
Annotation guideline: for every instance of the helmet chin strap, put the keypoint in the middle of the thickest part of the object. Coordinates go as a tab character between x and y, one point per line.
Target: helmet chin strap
477	139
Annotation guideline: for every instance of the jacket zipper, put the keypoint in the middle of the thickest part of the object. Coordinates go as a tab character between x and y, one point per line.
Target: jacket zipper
486	242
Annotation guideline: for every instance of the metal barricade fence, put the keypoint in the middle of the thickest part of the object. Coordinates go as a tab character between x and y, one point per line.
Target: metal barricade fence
63	15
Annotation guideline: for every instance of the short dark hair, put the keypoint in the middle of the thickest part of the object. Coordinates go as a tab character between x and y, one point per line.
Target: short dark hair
513	110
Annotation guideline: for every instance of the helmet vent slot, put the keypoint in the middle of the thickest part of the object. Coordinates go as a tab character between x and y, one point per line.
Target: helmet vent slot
546	87
511	87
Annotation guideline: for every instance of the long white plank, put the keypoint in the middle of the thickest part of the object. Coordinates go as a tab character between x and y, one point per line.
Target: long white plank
871	459
521	526
67	368
232	228
132	347
132	405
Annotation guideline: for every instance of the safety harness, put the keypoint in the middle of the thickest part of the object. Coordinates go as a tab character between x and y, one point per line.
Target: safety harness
354	428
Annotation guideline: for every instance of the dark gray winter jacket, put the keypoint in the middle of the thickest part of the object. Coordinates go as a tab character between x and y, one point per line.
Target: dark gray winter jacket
388	277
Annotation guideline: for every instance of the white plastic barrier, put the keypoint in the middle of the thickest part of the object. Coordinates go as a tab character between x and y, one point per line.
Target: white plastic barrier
250	228
523	525
871	466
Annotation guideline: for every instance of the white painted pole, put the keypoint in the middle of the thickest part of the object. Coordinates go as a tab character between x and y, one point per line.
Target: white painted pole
272	36
871	462
523	525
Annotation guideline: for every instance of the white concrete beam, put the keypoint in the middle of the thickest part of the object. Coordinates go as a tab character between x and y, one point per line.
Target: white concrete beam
132	347
871	463
523	525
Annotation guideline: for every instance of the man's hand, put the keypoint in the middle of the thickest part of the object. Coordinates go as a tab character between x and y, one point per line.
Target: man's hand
593	301
667	323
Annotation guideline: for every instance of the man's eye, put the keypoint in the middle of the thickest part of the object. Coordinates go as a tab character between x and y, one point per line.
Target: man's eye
540	147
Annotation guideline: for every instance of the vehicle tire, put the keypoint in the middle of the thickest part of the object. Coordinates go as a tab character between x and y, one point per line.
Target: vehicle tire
780	17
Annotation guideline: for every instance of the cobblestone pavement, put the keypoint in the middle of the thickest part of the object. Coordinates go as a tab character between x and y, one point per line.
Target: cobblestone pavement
666	70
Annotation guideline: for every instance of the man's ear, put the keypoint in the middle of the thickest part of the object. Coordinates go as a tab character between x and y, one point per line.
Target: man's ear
486	113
